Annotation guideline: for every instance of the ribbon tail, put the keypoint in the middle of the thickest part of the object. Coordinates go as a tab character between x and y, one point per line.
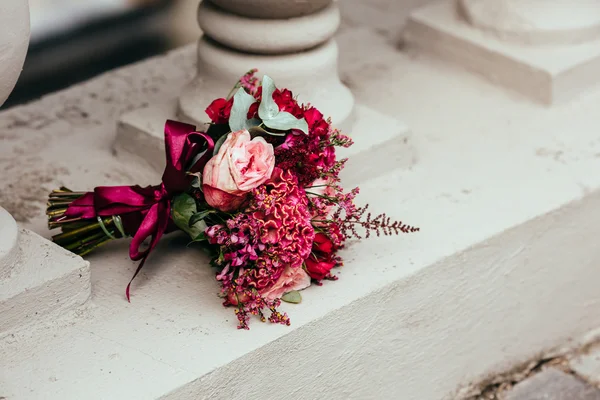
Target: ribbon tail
137	271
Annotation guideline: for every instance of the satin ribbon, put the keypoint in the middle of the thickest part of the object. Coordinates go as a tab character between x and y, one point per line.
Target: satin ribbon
146	212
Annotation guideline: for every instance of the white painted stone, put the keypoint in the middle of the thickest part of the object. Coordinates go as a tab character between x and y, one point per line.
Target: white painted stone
268	36
46	281
588	365
9	244
549	74
535	21
503	193
14	39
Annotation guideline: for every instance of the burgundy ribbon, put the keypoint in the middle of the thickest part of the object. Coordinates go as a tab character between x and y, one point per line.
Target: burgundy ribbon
146	212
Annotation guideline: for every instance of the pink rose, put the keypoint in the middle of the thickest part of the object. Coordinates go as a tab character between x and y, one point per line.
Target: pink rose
291	279
240	165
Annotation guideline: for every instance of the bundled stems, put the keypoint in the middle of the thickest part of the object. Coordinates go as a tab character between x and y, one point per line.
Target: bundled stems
79	235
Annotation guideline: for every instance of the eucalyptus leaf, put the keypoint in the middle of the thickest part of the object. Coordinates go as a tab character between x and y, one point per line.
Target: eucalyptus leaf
219	143
184	206
239	110
284	121
292	297
199	216
267	109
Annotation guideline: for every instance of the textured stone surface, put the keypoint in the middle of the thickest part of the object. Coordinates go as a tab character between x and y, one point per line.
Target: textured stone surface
552	384
46	282
588	365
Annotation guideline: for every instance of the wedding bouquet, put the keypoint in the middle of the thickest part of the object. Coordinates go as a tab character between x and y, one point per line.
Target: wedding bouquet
260	190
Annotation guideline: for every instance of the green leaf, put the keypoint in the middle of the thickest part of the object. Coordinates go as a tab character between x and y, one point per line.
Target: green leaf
199	216
238	118
285	121
292	297
267	109
219	143
184	206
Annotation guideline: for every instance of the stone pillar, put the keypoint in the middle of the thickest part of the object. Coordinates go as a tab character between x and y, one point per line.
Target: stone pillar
291	41
14	39
548	50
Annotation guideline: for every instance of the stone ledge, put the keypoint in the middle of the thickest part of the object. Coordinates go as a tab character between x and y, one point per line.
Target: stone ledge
46	281
546	74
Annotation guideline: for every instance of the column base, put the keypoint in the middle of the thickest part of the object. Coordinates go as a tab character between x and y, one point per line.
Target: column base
141	135
44	281
546	74
312	75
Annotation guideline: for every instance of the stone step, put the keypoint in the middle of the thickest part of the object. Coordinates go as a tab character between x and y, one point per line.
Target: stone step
39	280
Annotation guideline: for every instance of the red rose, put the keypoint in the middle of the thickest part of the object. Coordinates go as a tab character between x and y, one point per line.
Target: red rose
318	270
322	244
317	125
321	260
286	102
219	110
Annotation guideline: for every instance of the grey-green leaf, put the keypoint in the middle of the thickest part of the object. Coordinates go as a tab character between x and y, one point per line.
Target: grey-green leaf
285	121
239	110
292	297
267	109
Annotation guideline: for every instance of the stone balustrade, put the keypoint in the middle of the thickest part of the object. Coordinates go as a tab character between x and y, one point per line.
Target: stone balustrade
502	191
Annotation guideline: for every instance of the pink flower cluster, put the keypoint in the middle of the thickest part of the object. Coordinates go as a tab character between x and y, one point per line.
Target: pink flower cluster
273	236
283	213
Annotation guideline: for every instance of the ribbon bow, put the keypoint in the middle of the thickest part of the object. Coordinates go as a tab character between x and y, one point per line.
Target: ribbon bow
146	212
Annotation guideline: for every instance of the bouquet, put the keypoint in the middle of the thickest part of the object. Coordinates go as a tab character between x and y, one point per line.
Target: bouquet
259	190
